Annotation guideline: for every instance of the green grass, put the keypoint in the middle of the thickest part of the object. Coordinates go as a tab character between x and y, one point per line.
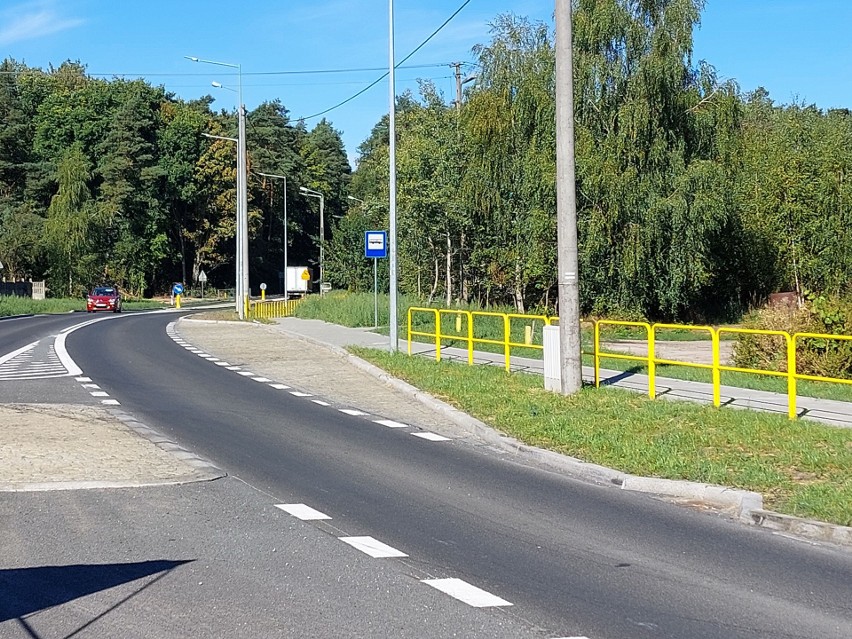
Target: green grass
802	469
11	305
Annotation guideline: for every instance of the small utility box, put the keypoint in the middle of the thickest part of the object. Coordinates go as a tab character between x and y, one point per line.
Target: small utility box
552	368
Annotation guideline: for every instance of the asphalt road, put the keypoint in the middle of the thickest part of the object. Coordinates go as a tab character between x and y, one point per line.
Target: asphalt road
572	558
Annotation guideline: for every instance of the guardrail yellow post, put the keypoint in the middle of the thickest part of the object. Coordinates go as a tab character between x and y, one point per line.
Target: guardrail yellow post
791	376
652	363
597	353
717	374
469	338
458	323
507	350
437	335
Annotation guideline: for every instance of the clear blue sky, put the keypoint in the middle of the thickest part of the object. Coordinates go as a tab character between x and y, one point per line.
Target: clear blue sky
797	49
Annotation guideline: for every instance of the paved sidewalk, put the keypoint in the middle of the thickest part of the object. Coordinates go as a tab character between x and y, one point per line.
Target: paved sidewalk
824	410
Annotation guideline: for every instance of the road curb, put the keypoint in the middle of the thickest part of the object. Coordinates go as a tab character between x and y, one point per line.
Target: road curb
746	505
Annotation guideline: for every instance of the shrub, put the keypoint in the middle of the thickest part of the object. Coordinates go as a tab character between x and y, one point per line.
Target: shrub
820	314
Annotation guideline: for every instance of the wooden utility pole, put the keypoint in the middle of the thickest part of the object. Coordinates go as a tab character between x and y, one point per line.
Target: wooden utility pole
570	355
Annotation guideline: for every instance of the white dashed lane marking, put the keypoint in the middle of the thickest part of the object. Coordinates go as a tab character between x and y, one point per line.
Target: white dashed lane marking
303	512
372	547
390	423
84	379
111	402
99	394
432	437
467	593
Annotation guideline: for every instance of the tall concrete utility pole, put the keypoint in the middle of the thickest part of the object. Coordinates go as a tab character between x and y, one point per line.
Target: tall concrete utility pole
394	344
570	354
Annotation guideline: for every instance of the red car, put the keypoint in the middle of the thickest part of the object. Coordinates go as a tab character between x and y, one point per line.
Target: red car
103	298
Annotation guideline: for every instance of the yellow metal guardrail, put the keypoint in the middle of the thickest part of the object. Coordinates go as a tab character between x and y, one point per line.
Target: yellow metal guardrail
465	330
716	368
271	308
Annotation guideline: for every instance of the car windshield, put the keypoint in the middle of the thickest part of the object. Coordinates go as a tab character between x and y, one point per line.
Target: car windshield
104	291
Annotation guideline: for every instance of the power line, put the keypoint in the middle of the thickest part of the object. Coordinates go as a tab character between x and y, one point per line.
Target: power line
396	66
245	73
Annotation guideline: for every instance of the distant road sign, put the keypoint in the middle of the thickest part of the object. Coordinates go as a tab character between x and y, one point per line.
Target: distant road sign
202	277
263	286
375	244
306	275
177	289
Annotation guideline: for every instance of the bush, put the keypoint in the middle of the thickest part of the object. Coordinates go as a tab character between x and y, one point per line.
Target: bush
823	315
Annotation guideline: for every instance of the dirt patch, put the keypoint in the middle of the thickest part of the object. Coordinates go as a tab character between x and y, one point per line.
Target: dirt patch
45	446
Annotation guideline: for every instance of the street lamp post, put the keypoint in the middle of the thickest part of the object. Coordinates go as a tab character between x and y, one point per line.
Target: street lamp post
242	284
282	177
311	193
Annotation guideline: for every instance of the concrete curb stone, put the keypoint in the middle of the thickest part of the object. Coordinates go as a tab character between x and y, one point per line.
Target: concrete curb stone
747	506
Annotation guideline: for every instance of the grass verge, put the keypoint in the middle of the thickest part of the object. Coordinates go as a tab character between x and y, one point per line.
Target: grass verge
11	305
802	469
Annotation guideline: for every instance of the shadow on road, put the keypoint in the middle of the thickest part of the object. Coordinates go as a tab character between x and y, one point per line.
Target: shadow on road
24	591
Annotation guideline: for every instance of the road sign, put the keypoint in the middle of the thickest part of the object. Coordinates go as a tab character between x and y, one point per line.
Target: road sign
263	286
202	277
376	244
177	289
306	275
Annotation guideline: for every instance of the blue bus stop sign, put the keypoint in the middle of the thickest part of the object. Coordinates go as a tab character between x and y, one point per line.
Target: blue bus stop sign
376	244
177	289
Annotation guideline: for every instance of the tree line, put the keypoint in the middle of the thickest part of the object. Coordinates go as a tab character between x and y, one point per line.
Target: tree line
695	200
114	181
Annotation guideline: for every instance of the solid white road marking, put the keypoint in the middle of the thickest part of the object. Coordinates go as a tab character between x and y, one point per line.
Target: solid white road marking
299	394
261	379
279	386
432	437
372	547
351	411
390	423
469	594
111	402
320	402
64	357
303	512
98	394
13	354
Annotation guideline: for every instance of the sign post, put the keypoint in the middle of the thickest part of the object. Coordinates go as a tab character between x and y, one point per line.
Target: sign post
376	247
202	278
177	291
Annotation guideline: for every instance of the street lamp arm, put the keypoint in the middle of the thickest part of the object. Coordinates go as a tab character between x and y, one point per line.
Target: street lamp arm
219	137
221	64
